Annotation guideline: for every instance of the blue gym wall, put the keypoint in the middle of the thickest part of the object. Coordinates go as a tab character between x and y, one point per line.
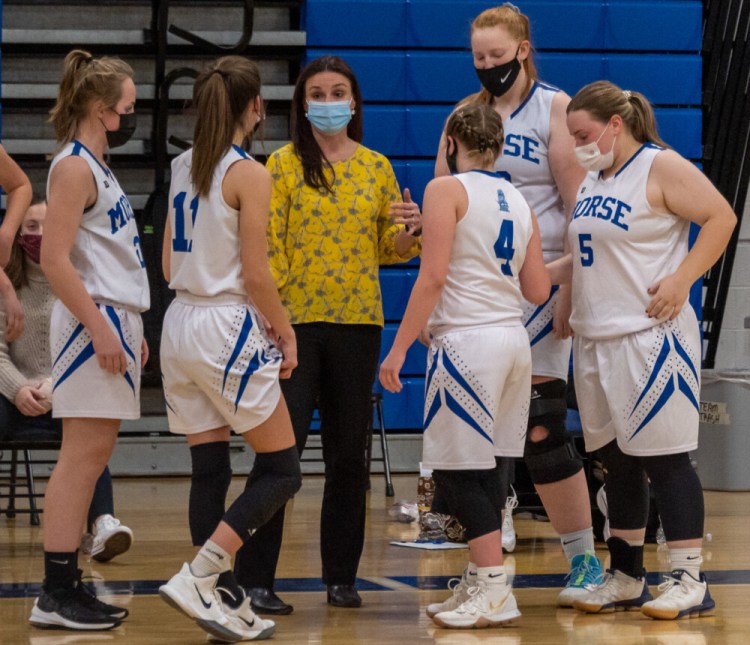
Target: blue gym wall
413	62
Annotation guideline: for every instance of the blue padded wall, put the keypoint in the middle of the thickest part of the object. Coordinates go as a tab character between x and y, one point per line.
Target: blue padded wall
413	61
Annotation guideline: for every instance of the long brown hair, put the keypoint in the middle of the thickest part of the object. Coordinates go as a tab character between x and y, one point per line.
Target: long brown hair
510	18
307	148
602	100
221	96
480	129
16	267
86	79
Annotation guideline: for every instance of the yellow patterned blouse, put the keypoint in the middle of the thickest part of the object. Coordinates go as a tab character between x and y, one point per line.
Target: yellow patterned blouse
325	248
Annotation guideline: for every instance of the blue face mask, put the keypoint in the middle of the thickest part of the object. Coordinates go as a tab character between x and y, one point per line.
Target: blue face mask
329	117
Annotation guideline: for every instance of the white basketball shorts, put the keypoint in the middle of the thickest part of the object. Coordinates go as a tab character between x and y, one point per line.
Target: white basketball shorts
477	394
219	368
550	355
642	389
81	387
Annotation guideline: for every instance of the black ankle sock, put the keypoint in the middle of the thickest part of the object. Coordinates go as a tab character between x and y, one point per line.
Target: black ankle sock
626	558
60	570
231	592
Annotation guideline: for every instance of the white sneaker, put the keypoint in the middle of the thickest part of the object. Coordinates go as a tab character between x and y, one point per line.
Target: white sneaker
618	592
479	611
682	596
460	593
198	599
108	539
246	624
509	533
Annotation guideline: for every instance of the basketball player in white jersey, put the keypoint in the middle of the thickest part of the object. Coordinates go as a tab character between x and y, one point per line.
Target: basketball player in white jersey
538	160
220	366
637	347
91	257
481	256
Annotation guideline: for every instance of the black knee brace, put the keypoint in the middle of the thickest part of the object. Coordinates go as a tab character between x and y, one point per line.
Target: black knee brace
554	458
211	475
276	477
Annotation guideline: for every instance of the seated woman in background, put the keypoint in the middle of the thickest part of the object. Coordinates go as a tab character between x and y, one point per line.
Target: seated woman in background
26	385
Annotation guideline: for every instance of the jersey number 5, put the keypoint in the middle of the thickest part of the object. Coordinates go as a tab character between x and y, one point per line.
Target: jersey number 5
180	241
504	246
587	253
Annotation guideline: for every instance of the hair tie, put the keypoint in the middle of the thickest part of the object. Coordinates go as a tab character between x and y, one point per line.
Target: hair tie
221	73
512	7
627	94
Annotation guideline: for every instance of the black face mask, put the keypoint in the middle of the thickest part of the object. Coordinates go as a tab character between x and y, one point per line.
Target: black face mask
498	80
450	157
119	137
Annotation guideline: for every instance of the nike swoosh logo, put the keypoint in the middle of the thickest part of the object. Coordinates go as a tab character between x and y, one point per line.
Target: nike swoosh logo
494	606
60	561
495	575
505	78
218	555
694	557
250	624
207	605
571	541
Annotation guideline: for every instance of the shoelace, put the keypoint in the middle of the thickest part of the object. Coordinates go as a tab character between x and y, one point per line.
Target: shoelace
511	503
472	604
579	574
671	581
456	585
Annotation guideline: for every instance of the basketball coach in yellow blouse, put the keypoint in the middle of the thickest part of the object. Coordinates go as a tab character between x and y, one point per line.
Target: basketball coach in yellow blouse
336	215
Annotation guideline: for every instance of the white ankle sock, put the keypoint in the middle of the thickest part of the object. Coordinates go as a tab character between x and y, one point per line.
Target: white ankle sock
210	559
689	560
577	543
495	582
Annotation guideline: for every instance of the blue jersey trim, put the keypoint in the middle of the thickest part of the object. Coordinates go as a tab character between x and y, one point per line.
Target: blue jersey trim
241	152
660	359
247	325
527	99
252	367
86	353
490	173
78	146
453	371
455	407
73	336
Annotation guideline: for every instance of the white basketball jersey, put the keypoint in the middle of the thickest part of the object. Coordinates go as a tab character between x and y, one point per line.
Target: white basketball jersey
621	246
525	163
205	232
489	248
107	250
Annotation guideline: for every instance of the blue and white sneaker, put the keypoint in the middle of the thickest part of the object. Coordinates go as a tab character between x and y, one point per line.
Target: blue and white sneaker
618	592
682	596
585	571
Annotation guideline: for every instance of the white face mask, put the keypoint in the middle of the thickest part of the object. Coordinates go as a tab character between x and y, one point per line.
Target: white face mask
591	158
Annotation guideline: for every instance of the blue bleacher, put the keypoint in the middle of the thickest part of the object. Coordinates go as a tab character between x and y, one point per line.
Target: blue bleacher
413	61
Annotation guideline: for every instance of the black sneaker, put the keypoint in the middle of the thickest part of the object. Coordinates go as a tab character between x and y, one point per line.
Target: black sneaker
65	609
87	596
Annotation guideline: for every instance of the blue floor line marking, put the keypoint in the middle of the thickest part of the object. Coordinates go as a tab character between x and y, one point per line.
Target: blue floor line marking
287	585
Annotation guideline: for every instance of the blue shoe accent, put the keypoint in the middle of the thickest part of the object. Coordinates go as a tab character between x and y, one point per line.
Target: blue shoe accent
585	569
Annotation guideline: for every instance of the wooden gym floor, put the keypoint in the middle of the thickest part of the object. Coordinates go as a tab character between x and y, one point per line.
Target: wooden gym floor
396	583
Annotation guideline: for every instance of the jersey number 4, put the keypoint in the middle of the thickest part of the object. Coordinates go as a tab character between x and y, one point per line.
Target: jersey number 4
180	240
504	246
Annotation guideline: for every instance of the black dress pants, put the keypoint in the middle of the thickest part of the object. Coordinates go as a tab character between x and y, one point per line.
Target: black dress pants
335	373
